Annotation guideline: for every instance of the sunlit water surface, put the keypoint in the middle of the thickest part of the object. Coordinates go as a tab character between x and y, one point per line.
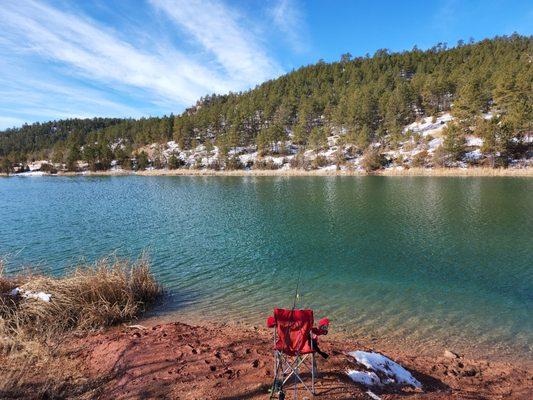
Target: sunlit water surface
413	259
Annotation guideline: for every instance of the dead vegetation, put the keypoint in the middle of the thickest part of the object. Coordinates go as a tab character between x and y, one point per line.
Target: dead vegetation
32	331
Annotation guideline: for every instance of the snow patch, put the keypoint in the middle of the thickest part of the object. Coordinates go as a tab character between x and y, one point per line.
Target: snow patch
32	173
364	378
474	141
474	155
433	144
28	294
426	127
387	371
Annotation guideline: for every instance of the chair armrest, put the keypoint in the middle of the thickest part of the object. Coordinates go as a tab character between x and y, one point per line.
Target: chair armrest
319	331
271	322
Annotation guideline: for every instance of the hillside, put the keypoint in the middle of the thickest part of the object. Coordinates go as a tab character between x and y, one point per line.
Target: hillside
471	104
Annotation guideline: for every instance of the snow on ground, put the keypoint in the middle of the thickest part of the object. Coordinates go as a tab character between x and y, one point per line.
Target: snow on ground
28	294
277	160
429	127
387	371
31	173
36	165
474	141
473	155
246	158
333	140
426	127
330	152
364	378
433	144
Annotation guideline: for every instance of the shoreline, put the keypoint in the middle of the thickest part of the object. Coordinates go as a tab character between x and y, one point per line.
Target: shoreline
429	345
224	361
436	172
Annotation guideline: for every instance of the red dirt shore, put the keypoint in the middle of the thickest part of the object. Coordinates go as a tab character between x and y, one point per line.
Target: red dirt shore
180	361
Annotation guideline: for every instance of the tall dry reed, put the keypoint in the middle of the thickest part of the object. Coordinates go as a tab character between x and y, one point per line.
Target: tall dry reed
90	297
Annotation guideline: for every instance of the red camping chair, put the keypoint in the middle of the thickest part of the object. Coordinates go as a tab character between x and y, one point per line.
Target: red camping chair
295	345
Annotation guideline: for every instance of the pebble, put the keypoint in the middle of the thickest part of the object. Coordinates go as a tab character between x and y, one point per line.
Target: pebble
450	354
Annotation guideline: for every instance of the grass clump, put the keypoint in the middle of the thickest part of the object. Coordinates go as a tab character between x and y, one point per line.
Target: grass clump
90	297
35	351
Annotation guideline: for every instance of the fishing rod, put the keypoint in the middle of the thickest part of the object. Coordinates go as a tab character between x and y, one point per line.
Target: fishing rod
281	393
296	289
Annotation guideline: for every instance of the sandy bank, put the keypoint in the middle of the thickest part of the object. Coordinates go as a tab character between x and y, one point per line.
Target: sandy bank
518	172
180	361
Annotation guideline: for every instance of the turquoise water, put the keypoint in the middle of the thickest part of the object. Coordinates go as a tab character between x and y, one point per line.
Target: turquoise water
412	259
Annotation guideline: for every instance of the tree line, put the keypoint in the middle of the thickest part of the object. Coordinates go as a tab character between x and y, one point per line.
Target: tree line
364	99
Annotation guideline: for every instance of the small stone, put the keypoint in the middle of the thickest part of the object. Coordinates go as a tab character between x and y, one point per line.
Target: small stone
255	363
213	368
450	354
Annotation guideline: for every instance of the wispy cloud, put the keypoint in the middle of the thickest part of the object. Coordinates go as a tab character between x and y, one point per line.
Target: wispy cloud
219	30
288	18
77	52
10	122
93	51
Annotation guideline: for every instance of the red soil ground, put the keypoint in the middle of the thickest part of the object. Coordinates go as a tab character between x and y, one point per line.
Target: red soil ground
179	361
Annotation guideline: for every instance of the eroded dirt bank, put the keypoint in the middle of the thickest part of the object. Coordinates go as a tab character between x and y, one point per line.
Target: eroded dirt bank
180	361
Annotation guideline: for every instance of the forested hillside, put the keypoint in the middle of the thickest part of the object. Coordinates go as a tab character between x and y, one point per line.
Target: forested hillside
365	103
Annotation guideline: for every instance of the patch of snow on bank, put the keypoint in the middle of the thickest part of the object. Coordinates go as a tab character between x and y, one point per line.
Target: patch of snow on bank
246	158
474	141
364	378
278	160
433	144
31	173
473	155
28	294
425	127
392	372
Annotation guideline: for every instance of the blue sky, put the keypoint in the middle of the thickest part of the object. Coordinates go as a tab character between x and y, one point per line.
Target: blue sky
132	58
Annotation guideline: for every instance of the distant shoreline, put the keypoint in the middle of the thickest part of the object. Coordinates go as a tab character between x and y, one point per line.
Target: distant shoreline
477	171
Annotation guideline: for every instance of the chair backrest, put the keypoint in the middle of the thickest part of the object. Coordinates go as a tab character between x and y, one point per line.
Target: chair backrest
293	329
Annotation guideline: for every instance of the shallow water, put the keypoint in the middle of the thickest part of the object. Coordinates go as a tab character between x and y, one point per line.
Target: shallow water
416	259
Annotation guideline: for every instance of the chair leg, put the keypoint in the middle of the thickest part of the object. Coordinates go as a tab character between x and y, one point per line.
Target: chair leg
313	373
279	377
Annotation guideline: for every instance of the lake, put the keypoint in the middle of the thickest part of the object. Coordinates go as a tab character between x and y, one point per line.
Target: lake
414	259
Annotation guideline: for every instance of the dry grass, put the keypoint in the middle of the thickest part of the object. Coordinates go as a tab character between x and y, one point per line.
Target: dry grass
88	298
33	332
474	171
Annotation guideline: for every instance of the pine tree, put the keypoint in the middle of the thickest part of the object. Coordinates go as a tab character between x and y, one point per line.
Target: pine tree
470	102
318	138
454	141
142	161
174	162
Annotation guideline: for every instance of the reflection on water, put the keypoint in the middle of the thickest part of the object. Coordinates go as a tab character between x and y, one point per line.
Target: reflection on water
404	258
